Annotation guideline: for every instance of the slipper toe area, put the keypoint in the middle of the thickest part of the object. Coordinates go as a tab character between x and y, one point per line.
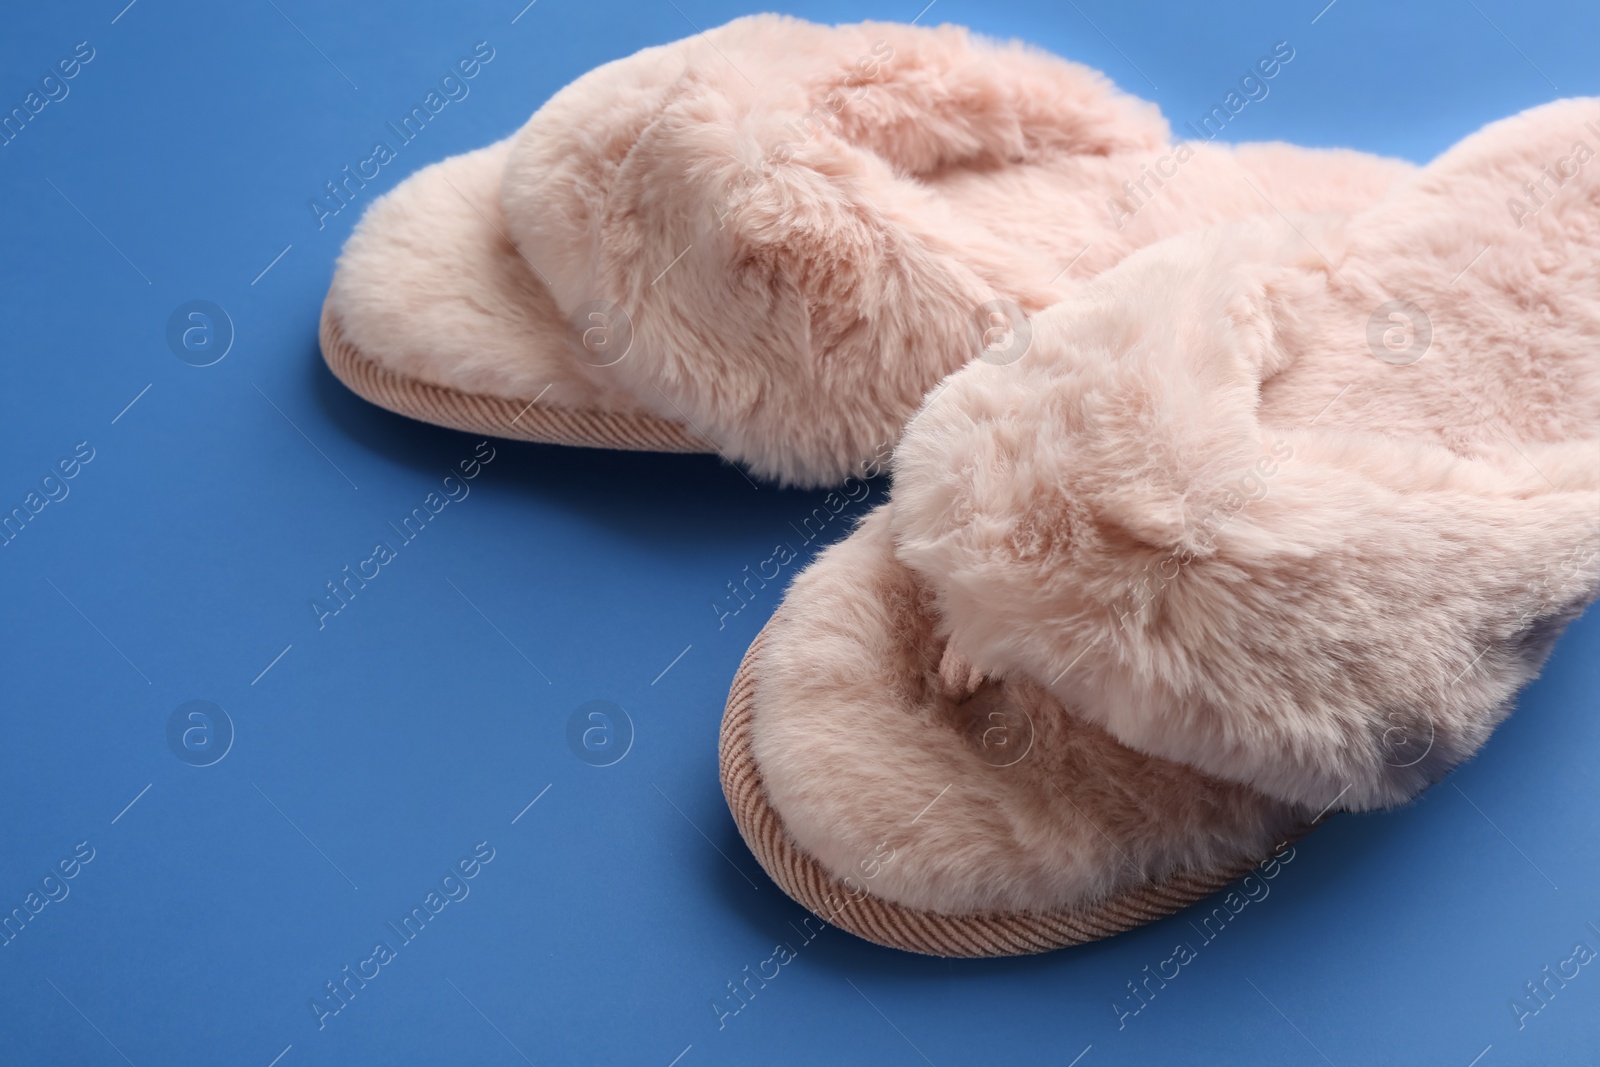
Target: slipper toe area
431	289
964	801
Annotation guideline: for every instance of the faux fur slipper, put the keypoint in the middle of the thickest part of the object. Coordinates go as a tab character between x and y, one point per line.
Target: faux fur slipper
1273	520
771	239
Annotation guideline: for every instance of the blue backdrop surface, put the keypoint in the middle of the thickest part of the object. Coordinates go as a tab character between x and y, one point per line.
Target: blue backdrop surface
193	874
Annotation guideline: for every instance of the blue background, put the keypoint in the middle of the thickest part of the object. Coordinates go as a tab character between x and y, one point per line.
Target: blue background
376	752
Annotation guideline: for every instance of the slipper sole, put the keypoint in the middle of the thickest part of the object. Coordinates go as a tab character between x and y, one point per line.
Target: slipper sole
524	420
914	930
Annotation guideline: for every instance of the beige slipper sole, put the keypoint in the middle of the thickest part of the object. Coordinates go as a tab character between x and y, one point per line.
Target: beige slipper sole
523	420
911	929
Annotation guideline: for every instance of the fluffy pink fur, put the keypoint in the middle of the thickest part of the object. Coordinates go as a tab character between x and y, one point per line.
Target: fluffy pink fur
878	770
1202	515
430	286
839	224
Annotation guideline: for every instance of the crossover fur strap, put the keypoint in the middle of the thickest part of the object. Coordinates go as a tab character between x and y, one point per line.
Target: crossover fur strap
747	201
1328	614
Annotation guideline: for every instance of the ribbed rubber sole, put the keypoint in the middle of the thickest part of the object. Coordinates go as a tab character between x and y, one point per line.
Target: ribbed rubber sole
522	420
931	933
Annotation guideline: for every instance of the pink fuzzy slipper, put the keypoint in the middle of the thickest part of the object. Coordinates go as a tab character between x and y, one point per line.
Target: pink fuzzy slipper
770	240
1272	520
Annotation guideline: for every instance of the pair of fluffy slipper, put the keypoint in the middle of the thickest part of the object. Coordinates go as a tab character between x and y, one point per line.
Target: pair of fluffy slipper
1233	486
